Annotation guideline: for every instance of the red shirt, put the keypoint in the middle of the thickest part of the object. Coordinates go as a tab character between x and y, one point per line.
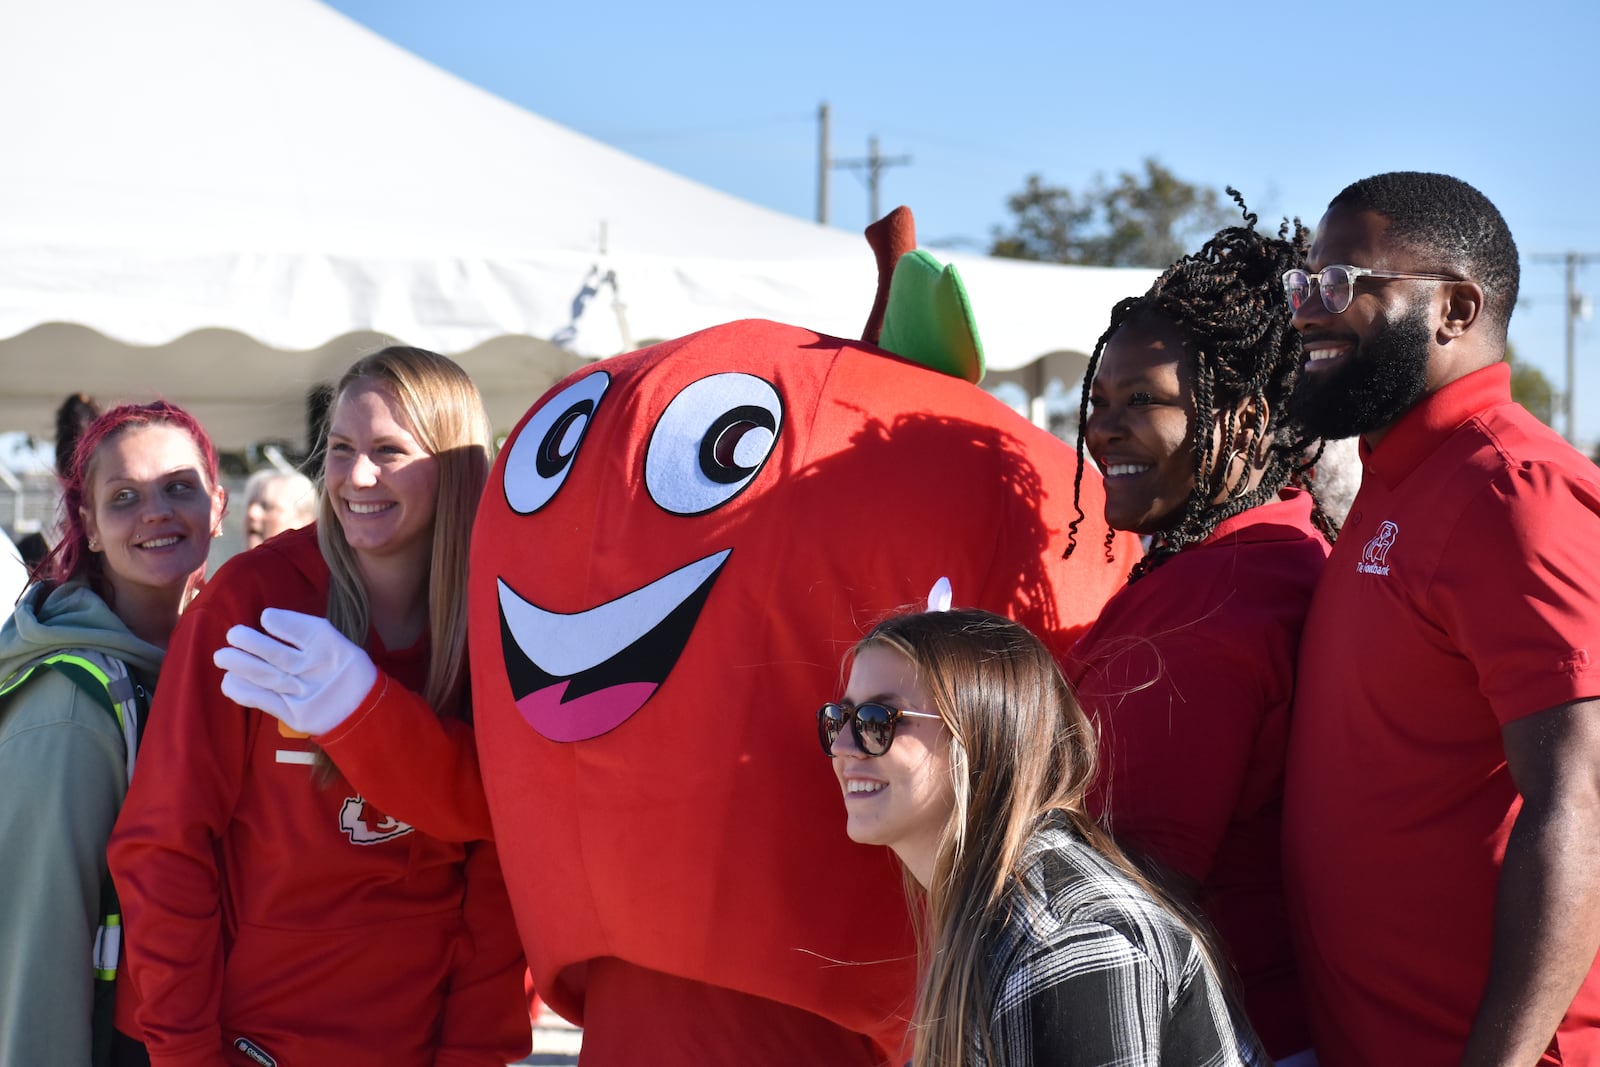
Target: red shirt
1188	674
1464	593
261	903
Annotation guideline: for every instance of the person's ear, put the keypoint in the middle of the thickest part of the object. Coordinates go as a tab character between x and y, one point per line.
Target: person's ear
1463	303
1253	416
219	508
91	530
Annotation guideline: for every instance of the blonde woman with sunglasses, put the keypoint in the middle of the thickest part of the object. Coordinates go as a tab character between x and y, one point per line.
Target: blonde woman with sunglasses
958	746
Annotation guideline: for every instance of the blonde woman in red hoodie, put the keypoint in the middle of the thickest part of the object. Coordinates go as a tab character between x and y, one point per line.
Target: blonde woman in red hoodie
283	906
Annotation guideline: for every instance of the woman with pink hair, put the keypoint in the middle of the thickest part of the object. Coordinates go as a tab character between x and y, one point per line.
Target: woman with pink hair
78	660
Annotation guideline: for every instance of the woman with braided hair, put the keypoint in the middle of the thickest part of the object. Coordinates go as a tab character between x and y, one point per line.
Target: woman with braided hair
1189	671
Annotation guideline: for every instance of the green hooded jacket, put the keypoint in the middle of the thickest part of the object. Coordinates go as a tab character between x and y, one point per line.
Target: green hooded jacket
63	776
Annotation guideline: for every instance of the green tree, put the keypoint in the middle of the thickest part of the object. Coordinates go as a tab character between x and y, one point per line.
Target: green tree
1530	388
1137	220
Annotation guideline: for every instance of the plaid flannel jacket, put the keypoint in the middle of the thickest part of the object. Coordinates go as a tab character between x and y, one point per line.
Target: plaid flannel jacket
1088	969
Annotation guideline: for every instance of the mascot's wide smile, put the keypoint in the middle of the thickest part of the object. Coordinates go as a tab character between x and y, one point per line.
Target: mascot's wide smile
577	676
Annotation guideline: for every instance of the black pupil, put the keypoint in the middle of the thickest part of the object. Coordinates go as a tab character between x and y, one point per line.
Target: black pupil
727	443
721	441
550	460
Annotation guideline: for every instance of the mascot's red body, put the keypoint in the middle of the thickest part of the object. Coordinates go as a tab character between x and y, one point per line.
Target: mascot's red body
676	548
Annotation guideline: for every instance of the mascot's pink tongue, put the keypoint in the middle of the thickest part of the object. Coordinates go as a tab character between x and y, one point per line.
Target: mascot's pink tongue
582	717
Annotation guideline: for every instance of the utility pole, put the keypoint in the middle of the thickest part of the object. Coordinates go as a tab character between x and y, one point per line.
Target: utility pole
823	164
1575	307
873	165
1572	346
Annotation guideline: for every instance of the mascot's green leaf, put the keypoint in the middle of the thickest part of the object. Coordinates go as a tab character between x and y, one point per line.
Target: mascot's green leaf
921	311
929	318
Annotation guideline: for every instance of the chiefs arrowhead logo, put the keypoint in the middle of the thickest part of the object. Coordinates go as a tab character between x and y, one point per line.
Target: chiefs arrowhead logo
364	824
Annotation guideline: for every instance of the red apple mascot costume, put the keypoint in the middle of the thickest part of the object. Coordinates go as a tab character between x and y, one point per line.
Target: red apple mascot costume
675	550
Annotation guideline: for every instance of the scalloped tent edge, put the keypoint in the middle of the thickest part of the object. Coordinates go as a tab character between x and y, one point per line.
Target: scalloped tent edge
243	391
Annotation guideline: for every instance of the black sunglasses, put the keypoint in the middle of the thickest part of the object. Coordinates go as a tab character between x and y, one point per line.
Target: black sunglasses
872	725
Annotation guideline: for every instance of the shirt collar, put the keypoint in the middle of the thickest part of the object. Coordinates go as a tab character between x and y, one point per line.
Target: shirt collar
1416	434
1290	508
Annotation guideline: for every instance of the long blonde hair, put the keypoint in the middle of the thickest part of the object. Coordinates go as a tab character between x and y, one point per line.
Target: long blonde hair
447	415
1021	748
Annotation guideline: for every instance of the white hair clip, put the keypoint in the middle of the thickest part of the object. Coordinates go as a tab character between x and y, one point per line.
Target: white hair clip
939	596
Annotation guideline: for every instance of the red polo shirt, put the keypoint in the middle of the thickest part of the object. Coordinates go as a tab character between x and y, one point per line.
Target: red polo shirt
1464	593
1188	674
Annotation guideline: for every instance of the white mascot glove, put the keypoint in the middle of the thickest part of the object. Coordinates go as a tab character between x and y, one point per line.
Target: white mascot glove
305	673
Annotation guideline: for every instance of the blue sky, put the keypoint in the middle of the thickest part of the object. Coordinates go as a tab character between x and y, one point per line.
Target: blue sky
1289	110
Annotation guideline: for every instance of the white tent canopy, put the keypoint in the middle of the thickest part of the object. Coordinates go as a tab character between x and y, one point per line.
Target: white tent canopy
273	174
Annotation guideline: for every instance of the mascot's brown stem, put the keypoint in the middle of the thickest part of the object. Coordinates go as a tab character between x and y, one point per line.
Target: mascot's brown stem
890	237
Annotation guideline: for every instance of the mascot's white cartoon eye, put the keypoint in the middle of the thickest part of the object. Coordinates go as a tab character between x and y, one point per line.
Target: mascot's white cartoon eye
542	454
711	441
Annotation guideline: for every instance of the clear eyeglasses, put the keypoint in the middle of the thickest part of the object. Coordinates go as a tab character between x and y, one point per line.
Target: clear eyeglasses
1337	284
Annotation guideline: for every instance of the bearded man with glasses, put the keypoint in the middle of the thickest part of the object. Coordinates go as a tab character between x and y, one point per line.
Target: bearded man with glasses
1442	792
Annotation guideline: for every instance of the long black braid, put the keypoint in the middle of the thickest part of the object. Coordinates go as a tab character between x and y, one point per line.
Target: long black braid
1227	300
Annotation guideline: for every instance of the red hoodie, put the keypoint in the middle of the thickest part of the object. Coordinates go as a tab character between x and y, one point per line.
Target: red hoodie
265	910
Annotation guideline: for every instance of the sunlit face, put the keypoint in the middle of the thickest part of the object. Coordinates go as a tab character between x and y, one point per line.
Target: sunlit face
277	505
383	484
903	798
150	511
1366	366
1141	426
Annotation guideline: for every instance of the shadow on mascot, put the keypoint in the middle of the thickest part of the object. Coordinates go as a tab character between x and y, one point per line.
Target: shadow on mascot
676	549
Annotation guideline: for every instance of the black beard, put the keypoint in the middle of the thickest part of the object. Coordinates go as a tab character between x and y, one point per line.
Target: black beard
1380	381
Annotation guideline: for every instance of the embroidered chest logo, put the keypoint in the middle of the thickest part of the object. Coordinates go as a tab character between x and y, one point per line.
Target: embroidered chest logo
1375	557
364	824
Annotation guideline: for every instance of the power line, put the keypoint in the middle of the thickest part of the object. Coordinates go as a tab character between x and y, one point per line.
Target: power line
685	133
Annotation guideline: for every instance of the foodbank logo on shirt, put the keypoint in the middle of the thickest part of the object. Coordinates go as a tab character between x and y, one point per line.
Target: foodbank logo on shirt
1375	556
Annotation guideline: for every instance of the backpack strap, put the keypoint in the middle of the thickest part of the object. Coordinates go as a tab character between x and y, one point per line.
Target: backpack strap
105	679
